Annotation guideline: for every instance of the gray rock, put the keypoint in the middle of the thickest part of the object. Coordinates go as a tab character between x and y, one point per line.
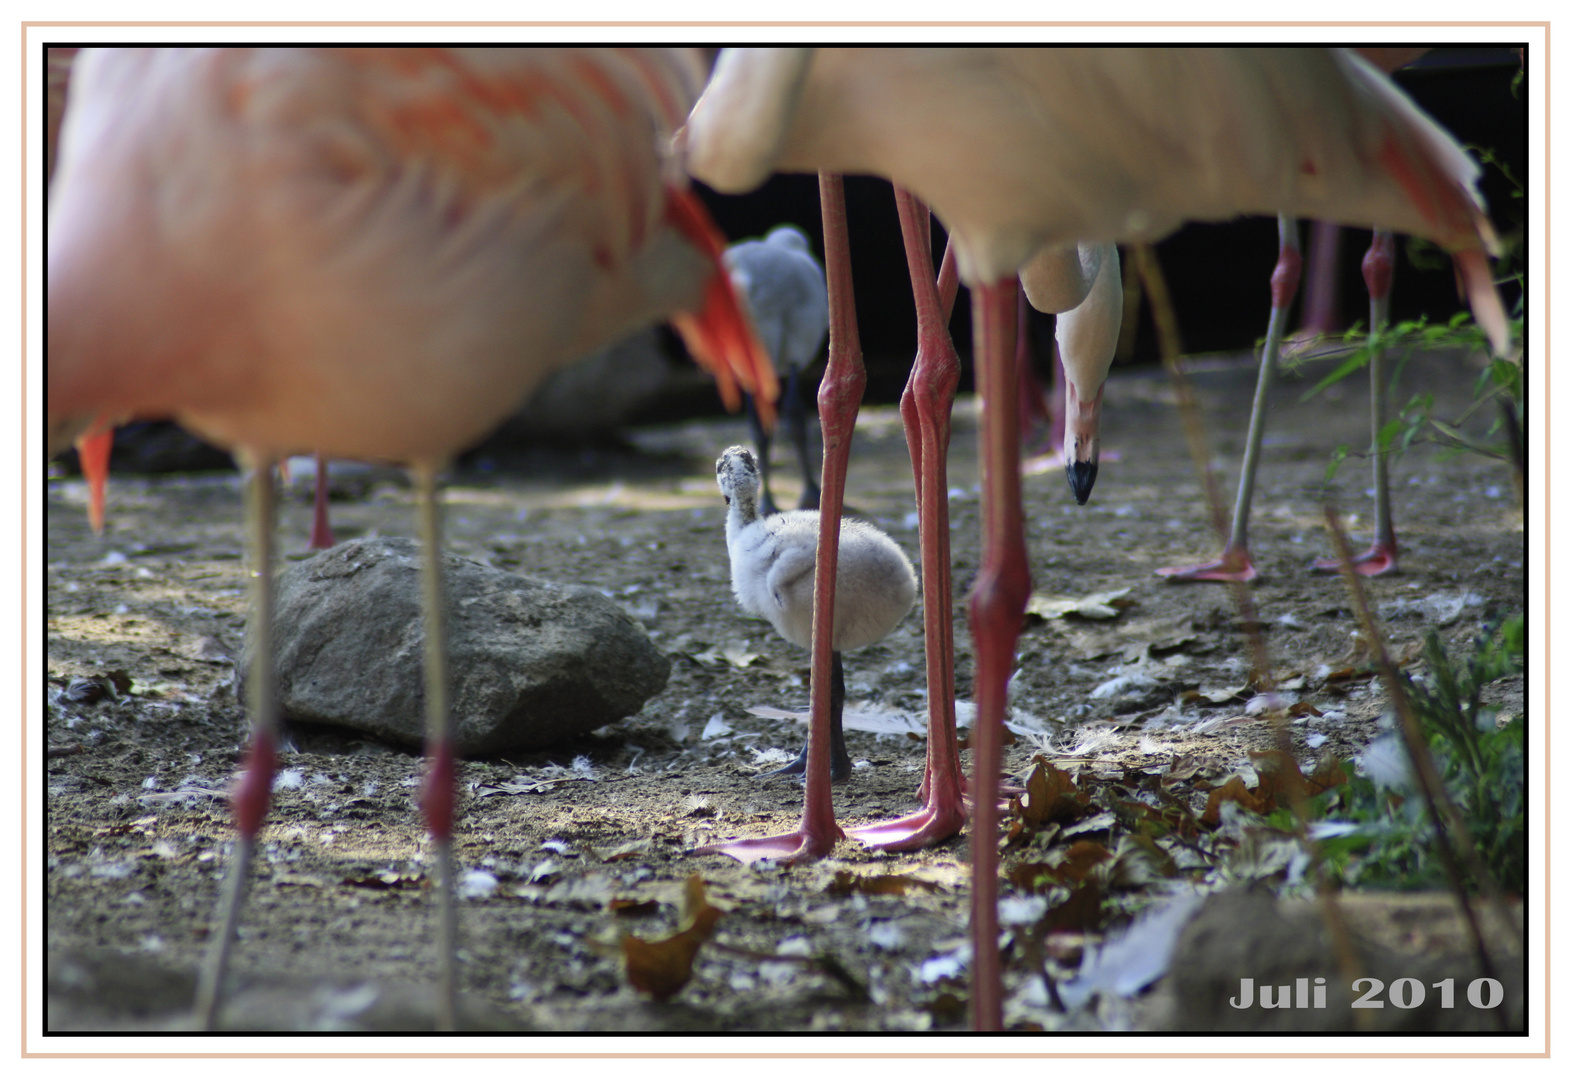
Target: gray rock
530	663
1241	934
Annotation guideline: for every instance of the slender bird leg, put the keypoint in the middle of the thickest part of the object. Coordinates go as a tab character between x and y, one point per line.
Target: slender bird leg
998	605
436	795
1234	564
840	760
254	791
321	531
840	393
925	411
1382	556
794	417
761	440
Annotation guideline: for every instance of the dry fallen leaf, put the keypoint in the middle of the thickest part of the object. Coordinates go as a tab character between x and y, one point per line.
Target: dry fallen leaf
737	655
661	968
1098	605
1328	774
1234	791
631	850
1277	773
847	882
628	907
1051	795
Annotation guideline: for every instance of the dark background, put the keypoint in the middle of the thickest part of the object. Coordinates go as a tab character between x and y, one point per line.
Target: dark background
1218	274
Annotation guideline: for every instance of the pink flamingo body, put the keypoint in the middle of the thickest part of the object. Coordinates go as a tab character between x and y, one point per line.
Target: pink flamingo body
372	254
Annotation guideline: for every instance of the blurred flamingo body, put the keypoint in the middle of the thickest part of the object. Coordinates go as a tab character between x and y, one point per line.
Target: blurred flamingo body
1018	151
372	254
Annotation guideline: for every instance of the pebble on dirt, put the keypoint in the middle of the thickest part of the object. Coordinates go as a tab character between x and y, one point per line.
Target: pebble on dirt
531	664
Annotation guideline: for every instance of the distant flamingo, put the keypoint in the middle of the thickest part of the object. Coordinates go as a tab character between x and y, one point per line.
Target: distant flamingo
1022	150
1235	564
784	285
371	254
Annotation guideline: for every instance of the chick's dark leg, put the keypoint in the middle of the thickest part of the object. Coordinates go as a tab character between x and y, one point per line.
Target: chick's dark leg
840	760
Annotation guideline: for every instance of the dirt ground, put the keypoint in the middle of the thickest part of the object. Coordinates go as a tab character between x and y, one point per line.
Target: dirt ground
562	852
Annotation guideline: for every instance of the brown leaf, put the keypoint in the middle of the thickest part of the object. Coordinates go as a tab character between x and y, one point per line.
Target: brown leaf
1349	674
1278	773
629	907
631	850
1051	795
1160	860
1183	767
846	883
1142	818
1328	774
1081	859
1071	869
661	968
1234	791
1082	911
1033	877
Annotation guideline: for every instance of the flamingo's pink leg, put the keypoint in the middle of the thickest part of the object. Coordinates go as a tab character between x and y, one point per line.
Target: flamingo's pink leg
1382	556
1234	564
925	411
998	605
840	395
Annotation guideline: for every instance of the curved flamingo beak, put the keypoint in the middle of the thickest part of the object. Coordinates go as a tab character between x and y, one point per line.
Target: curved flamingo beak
1082	419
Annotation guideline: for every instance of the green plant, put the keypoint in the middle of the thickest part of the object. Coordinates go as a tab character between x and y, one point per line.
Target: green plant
1382	835
1416	420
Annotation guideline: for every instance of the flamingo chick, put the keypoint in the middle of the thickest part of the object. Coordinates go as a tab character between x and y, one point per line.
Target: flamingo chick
772	566
784	285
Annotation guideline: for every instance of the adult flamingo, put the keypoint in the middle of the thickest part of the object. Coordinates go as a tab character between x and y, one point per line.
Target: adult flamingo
1023	150
1235	563
372	254
1080	285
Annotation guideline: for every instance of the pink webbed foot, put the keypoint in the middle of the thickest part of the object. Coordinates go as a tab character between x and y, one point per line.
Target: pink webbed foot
928	826
1380	559
804	845
1233	565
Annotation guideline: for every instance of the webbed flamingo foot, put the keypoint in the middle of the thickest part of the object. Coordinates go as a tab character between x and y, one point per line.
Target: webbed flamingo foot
1234	564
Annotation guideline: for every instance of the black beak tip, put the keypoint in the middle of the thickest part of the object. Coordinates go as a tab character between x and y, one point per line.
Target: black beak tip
1082	474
